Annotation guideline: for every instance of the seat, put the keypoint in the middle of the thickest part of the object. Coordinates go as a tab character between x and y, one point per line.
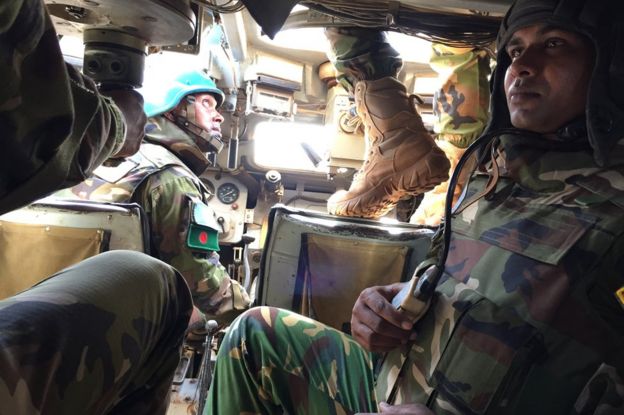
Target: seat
317	264
53	234
47	236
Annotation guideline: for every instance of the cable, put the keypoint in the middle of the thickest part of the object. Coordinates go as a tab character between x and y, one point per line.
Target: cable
477	145
449	28
453	29
230	6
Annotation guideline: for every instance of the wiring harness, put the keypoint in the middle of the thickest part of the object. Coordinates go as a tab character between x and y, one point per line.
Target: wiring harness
453	29
448	27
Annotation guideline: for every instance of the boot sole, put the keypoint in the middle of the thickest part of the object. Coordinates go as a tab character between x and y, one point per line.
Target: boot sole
369	205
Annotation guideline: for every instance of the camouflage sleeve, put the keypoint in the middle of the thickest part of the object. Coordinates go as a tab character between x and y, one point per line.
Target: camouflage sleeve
165	198
55	126
104	135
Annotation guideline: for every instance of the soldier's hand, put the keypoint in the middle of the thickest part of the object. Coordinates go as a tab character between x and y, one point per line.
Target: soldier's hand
375	323
130	103
409	409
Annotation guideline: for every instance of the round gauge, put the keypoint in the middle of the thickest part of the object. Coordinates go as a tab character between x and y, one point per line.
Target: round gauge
209	186
228	193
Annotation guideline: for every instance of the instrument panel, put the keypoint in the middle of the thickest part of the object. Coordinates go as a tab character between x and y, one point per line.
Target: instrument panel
228	197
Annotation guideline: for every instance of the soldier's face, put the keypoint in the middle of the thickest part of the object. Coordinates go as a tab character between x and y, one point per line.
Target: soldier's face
546	83
206	114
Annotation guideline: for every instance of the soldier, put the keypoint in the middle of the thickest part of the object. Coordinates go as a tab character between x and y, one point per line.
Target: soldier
526	307
162	178
104	335
402	159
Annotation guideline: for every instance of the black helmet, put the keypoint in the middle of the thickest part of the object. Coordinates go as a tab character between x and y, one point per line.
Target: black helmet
601	21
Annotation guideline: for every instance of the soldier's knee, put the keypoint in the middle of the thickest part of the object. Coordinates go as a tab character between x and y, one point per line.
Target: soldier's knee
250	322
255	324
135	265
138	272
147	277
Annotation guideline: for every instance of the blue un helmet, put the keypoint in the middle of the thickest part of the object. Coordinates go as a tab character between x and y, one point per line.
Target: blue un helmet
159	100
161	96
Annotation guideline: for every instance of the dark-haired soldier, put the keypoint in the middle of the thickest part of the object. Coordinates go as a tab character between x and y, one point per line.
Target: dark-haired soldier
527	312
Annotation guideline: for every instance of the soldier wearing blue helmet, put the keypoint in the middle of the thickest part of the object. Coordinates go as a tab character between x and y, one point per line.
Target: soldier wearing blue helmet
183	126
190	102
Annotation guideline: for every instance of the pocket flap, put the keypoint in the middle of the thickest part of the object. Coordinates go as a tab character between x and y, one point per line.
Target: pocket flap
541	232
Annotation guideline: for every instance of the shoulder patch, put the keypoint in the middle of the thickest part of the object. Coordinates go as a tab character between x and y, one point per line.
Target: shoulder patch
203	230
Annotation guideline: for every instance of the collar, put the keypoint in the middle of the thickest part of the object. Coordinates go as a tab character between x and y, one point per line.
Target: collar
159	130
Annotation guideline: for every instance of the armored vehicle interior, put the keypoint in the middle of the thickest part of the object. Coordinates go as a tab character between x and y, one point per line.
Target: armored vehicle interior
291	139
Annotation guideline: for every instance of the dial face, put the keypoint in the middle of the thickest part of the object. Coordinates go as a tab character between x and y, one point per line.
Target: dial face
210	186
228	193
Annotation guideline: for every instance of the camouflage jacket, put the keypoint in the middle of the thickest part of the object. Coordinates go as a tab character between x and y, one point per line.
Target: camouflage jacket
47	142
161	183
529	315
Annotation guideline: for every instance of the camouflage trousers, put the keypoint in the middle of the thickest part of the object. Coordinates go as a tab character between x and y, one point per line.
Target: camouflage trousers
274	361
102	336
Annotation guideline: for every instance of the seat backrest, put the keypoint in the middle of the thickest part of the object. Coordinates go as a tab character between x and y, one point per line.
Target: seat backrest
47	236
317	264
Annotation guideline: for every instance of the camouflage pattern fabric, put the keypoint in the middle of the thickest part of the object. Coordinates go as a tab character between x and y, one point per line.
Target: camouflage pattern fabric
462	101
361	54
160	182
100	337
277	362
525	319
460	107
47	143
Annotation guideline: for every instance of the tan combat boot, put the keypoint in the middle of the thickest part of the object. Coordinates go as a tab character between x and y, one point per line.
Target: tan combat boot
403	159
431	209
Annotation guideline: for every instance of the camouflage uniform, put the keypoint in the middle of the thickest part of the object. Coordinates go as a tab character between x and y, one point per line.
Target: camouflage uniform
47	145
103	335
460	107
160	182
525	319
274	361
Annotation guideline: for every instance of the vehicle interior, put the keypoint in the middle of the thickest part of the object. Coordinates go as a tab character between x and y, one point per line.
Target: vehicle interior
291	139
